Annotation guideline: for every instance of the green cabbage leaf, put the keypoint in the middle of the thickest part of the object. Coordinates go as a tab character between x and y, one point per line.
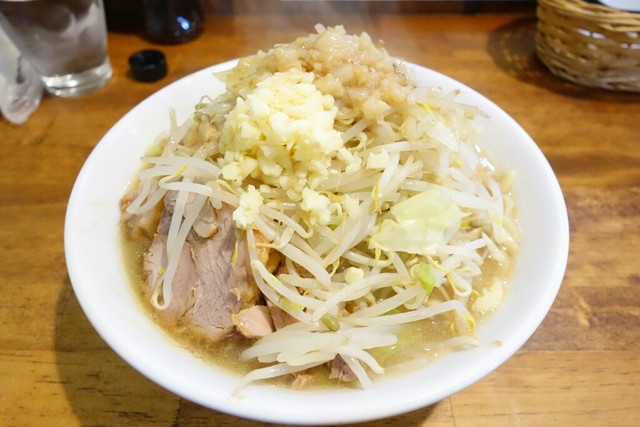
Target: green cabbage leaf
418	225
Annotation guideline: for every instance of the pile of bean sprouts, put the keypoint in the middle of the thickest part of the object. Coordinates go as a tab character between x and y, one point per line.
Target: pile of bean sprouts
347	292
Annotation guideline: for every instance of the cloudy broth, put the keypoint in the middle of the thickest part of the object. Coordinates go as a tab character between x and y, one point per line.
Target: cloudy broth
419	342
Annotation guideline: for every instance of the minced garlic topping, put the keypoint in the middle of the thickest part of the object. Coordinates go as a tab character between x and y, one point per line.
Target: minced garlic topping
283	135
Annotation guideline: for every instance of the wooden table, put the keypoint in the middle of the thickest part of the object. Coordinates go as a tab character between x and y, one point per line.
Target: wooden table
582	366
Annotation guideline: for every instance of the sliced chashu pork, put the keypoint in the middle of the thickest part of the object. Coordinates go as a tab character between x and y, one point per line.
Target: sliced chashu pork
209	285
184	281
254	322
226	286
212	293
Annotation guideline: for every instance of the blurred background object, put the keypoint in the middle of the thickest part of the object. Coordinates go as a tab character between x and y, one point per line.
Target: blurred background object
65	41
20	85
171	21
159	21
123	16
128	15
590	44
368	6
628	5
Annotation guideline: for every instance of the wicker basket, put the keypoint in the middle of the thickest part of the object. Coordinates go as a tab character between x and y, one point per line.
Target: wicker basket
590	44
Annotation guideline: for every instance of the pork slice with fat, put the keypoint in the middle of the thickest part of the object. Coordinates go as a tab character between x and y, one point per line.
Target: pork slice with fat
184	281
212	280
254	322
340	370
225	286
279	317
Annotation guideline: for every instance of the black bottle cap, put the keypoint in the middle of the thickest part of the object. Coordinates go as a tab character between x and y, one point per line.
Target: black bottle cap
148	65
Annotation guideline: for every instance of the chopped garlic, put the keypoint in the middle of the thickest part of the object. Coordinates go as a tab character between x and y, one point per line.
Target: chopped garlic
317	205
350	206
250	203
378	160
285	131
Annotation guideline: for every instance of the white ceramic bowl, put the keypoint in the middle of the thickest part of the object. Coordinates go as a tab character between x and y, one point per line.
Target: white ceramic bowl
103	289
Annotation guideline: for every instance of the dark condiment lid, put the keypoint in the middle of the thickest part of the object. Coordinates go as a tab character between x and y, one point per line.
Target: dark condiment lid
148	65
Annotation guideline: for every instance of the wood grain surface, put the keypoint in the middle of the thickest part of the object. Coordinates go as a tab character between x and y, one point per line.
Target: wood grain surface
581	367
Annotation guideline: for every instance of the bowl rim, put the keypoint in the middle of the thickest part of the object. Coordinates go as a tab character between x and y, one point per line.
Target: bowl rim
327	406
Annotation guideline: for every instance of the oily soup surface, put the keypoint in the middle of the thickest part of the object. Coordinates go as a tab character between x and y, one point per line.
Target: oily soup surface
418	342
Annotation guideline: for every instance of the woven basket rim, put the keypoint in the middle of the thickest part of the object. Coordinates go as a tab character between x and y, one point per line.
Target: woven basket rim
590	44
615	19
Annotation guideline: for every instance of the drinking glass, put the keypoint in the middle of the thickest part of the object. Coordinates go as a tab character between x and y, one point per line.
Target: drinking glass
64	40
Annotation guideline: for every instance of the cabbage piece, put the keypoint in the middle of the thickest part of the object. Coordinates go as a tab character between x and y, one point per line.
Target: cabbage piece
424	274
419	224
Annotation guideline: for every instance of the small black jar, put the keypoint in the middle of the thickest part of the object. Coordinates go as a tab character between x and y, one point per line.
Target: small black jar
171	21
